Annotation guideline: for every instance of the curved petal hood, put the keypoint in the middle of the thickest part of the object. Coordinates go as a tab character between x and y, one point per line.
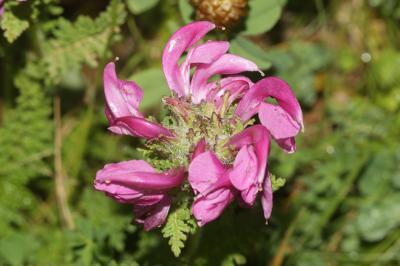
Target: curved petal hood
179	42
249	167
122	108
284	121
209	177
152	216
136	177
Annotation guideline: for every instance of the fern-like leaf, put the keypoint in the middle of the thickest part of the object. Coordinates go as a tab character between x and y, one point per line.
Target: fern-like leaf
26	138
13	26
81	42
177	228
277	182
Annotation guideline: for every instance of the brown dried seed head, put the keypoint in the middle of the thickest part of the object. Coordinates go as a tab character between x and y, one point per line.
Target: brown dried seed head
225	13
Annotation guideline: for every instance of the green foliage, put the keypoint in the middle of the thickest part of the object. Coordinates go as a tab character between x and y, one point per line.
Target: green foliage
13	26
389	8
249	50
96	232
234	259
153	83
84	41
177	228
23	155
263	15
75	144
298	65
140	6
186	10
277	182
26	144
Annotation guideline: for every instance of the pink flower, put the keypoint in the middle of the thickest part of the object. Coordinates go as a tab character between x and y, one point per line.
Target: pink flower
136	182
216	184
122	108
209	179
249	170
207	136
210	58
284	121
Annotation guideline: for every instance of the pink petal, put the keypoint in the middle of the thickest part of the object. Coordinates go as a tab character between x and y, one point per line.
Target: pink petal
278	122
244	171
267	198
288	145
137	175
225	65
119	192
209	52
122	97
270	87
204	171
149	199
236	90
179	42
208	208
244	174
237	86
249	195
200	148
140	127
258	137
152	216
149	181
203	54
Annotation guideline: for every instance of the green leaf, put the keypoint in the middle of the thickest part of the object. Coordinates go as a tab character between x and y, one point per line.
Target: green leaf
153	84
234	259
178	226
377	176
247	49
17	248
263	15
297	65
22	156
13	27
376	220
186	10
140	6
83	42
76	144
277	182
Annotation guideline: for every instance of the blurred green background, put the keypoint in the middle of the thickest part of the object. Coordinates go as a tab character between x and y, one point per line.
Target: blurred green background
340	204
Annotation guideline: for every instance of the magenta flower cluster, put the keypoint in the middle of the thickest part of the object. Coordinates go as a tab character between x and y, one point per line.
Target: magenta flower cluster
214	182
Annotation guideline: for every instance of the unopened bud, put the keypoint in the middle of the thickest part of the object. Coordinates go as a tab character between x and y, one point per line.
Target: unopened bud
224	13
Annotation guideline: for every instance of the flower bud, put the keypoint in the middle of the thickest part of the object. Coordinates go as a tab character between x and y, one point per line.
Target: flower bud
225	13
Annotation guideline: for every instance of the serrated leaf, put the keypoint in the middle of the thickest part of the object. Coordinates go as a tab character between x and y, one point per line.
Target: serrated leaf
140	6
177	228
247	49
263	15
277	182
82	42
13	26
